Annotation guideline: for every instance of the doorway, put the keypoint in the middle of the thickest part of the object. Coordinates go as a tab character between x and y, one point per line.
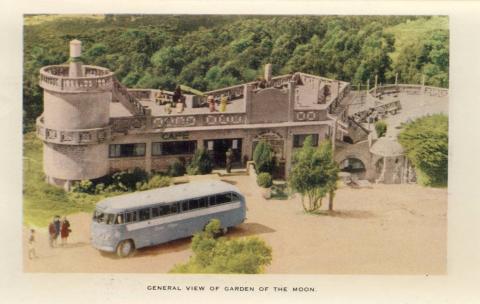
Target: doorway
217	149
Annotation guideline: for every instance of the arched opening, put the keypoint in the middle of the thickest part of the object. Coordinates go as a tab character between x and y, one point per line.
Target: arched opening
347	139
353	166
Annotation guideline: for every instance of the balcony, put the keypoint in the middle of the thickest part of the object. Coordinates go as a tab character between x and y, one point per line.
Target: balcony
72	137
56	78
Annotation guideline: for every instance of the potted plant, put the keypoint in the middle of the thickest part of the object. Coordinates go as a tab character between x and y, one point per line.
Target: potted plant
264	180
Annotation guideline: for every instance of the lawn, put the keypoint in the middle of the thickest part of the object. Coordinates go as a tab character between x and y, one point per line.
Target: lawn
42	201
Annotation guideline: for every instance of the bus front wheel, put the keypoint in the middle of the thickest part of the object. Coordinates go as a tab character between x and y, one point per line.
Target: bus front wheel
125	248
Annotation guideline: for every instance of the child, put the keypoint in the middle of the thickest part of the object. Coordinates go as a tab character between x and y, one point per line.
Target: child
31	245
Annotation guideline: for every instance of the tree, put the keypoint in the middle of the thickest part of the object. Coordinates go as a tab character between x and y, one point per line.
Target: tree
263	156
201	163
381	128
248	255
314	174
425	142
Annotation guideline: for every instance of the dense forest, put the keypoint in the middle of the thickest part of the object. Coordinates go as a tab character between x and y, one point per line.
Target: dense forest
209	52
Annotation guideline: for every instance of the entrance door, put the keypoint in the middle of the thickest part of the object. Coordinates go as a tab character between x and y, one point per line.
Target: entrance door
217	149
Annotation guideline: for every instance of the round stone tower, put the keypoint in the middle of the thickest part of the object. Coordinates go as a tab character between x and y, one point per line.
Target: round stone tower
75	123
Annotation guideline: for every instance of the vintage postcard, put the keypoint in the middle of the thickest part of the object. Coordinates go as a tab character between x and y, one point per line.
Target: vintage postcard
240	146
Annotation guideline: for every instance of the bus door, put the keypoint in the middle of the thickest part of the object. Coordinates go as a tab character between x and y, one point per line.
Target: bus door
144	232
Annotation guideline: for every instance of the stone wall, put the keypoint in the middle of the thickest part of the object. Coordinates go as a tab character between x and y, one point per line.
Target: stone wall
268	106
75	162
76	111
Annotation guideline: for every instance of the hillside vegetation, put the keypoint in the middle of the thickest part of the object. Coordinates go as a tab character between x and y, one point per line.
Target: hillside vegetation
208	52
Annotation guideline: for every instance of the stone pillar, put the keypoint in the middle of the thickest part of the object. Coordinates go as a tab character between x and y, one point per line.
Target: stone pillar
75	66
247	93
291	99
148	119
368	85
396	78
148	155
376	83
268	72
334	134
288	152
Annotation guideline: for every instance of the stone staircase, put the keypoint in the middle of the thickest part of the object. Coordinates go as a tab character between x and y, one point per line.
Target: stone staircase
130	102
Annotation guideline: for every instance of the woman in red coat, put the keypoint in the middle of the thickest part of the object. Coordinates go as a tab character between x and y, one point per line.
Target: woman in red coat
65	230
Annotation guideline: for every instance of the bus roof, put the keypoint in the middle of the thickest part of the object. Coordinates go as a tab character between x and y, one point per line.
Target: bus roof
164	195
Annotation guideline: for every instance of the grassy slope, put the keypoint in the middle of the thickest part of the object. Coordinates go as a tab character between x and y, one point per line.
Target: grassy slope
42	201
405	32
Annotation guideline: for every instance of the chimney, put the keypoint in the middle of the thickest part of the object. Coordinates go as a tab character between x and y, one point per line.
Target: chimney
268	72
75	67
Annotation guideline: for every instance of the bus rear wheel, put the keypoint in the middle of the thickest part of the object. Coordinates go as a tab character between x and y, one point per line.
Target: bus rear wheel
125	248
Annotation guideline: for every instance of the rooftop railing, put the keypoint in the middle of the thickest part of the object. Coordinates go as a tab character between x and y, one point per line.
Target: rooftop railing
56	78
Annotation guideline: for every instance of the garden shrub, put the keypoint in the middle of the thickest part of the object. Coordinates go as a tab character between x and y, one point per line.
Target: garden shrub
247	255
425	141
381	128
263	156
177	168
264	180
156	181
200	164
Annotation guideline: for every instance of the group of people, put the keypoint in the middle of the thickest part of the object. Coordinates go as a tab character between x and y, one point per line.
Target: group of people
58	228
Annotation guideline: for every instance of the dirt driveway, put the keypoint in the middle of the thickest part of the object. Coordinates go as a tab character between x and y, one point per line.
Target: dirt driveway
388	229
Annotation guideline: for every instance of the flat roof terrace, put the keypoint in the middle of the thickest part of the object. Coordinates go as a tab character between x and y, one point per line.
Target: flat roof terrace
311	93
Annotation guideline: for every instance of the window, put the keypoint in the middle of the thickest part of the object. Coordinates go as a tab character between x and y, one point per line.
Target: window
185	206
165	210
119	219
127	150
144	214
202	202
131	217
193	204
173	147
298	140
220	199
235	197
155	212
174	208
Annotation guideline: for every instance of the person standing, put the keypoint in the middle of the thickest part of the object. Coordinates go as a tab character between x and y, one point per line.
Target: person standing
31	245
51	233
229	160
57	224
65	230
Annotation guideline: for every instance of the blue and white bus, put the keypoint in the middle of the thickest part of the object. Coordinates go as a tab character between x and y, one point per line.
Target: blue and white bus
124	223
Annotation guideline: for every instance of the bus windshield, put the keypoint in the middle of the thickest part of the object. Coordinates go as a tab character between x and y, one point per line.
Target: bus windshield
105	218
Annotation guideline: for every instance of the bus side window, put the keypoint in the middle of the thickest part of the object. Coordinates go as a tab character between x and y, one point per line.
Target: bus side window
156	212
131	217
212	201
185	206
144	214
174	208
202	202
223	198
164	210
193	204
119	219
235	197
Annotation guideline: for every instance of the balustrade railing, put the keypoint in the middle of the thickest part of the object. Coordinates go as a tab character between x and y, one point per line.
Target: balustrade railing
412	89
127	98
56	78
72	137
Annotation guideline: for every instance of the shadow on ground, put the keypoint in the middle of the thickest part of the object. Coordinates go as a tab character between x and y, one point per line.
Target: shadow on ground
248	229
347	214
245	229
